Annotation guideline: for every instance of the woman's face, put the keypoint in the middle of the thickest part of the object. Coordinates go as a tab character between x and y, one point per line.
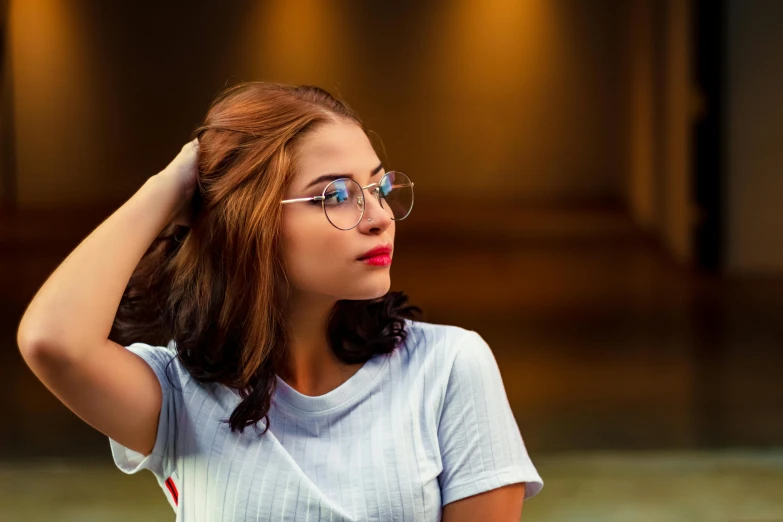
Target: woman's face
321	259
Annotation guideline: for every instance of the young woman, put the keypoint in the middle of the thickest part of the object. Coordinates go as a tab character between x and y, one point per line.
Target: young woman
247	285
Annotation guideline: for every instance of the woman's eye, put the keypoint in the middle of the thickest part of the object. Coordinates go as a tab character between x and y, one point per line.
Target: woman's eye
335	197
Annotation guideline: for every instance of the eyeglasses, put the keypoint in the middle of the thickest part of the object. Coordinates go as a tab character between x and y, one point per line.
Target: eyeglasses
343	199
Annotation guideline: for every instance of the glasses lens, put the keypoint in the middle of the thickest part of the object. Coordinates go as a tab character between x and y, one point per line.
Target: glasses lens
396	190
343	203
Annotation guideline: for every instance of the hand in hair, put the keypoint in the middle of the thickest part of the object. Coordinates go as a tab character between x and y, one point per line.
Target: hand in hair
183	171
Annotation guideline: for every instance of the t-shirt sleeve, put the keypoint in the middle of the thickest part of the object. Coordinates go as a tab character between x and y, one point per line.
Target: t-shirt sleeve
480	443
161	462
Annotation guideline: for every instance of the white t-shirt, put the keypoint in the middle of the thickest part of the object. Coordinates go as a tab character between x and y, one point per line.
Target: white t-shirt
411	431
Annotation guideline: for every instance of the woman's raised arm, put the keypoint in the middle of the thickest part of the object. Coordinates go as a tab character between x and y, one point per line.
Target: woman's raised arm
63	334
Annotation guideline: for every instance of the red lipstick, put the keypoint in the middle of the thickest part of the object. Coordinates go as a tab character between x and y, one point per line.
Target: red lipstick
378	256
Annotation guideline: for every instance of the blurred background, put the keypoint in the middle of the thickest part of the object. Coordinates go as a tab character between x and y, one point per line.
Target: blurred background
598	195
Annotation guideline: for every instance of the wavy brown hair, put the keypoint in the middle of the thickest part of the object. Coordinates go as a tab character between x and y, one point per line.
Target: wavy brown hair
191	286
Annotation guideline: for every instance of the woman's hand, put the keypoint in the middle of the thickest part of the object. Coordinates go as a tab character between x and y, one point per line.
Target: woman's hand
183	172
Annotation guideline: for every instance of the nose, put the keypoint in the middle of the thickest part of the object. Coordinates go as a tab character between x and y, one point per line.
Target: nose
375	215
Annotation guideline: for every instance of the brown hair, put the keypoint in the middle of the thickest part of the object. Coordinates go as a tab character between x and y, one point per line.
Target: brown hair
191	285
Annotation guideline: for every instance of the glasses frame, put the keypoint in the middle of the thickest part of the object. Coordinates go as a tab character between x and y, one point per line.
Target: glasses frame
376	192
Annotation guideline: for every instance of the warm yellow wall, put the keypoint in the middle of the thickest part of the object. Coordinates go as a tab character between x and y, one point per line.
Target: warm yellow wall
678	131
56	105
642	193
7	170
660	124
107	92
504	99
509	99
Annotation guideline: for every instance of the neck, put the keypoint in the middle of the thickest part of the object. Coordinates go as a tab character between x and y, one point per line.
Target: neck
311	364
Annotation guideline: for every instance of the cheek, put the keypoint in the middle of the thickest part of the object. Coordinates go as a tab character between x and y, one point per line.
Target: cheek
301	229
314	252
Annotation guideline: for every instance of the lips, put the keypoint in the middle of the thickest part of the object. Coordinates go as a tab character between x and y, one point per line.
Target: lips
377	251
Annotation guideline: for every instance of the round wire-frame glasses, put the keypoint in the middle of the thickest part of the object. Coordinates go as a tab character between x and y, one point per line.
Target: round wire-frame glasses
375	188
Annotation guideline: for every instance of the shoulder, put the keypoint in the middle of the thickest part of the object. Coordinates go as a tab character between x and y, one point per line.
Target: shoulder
431	336
460	356
445	337
448	344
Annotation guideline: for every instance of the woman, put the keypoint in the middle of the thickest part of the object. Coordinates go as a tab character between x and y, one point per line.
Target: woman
248	283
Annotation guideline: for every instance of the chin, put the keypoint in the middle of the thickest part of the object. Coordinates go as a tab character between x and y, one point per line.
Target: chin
370	291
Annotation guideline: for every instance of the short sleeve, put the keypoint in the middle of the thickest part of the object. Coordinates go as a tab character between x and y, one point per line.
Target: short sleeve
480	442
161	461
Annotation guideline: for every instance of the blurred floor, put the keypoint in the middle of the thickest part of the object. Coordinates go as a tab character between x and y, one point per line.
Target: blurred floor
603	342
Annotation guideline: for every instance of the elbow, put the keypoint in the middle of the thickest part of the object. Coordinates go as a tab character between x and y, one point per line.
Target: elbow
40	338
29	338
29	345
44	358
37	349
33	349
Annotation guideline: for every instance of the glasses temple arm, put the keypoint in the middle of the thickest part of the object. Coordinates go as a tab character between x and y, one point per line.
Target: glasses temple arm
314	198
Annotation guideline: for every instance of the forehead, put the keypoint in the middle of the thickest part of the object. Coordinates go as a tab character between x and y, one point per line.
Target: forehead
335	147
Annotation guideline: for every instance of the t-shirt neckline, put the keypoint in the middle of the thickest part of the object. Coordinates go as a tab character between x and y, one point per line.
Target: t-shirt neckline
345	394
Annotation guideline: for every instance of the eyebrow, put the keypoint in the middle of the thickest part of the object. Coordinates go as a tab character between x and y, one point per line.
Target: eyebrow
330	177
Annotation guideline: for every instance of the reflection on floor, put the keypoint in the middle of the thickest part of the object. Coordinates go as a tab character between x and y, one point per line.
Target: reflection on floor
587	487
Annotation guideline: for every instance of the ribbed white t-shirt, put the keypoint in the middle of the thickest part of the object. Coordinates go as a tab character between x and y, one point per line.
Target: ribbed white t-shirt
411	431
